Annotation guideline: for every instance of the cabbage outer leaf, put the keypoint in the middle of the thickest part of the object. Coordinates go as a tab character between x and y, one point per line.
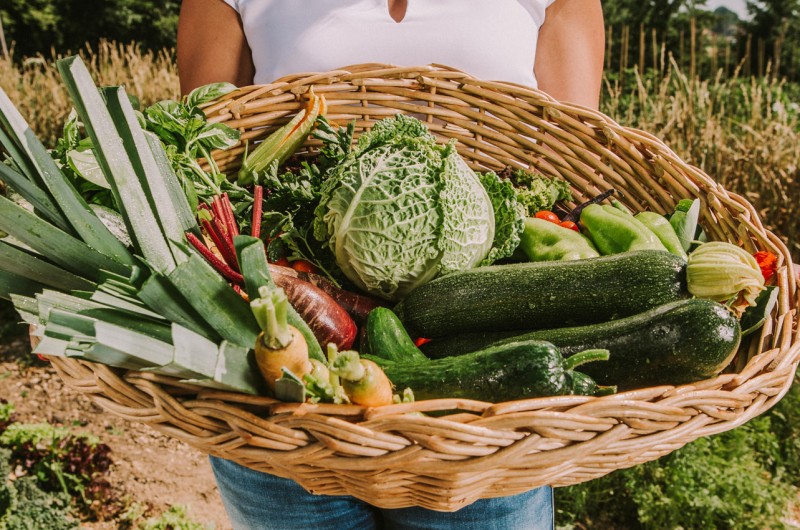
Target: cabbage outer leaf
509	217
468	226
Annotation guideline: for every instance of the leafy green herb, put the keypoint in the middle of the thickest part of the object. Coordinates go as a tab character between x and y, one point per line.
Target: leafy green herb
537	192
337	142
207	93
182	128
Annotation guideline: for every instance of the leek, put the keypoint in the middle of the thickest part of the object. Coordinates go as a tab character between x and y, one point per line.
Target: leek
83	220
109	137
32	267
70	253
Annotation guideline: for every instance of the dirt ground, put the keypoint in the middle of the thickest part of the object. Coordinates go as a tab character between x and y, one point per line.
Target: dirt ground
149	468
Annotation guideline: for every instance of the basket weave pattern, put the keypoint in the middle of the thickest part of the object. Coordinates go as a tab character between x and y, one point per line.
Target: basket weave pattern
393	458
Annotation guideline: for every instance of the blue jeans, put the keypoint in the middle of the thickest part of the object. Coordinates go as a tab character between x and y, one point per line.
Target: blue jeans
259	501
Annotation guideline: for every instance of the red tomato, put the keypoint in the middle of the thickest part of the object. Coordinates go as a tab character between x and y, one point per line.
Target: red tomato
548	216
283	262
570	225
420	341
302	265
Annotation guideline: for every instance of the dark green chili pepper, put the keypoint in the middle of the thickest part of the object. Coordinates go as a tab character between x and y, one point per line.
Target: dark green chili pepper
613	231
546	241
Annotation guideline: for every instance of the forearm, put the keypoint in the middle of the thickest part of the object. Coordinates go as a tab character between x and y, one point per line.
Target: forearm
570	50
212	46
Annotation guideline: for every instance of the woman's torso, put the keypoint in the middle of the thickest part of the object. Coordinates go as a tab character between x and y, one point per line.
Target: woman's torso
490	39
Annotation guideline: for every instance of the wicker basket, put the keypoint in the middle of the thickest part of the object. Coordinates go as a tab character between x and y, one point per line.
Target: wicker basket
393	459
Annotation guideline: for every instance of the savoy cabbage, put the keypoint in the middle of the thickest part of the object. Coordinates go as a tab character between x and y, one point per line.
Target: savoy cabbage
398	209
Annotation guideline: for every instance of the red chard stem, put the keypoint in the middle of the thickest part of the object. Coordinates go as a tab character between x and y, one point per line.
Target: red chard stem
221	242
221	267
258	197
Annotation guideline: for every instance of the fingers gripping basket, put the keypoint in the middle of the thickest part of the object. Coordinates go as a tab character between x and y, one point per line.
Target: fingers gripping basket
394	459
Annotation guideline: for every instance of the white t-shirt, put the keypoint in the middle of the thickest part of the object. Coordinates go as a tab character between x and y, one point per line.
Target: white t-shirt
490	39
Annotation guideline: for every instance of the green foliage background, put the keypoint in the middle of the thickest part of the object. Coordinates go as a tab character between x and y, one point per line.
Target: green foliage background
743	479
39	26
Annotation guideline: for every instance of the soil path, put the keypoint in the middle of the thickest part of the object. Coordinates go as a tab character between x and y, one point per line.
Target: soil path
149	468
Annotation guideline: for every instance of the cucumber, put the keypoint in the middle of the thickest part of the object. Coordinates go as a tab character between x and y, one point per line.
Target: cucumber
542	295
676	343
516	370
385	337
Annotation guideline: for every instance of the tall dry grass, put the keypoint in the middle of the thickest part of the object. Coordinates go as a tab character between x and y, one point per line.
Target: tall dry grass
35	86
742	130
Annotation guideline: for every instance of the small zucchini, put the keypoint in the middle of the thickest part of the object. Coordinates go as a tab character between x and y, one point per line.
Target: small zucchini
516	370
385	337
542	295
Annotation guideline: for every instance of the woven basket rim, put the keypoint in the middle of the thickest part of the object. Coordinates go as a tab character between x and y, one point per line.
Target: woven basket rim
252	430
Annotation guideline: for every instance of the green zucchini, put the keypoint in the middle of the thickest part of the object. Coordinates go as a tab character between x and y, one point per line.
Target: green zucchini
462	343
516	370
673	344
542	295
385	337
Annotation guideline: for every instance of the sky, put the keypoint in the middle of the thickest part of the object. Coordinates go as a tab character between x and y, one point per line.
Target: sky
737	6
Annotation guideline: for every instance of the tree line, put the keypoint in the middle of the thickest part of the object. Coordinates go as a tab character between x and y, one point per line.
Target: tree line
647	32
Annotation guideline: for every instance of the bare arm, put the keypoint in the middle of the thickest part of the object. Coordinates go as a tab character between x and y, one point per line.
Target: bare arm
212	46
570	50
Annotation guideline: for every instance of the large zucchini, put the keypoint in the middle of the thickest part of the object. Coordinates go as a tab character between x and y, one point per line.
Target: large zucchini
673	344
526	296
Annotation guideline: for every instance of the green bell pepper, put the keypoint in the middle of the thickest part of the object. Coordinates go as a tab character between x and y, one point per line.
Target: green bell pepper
613	231
663	230
546	241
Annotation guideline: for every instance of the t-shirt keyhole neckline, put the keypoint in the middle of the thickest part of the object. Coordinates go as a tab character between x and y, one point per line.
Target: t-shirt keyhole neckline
398	9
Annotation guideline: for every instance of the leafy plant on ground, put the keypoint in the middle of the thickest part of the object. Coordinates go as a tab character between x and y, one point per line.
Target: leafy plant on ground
6	415
60	461
175	518
744	479
24	505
